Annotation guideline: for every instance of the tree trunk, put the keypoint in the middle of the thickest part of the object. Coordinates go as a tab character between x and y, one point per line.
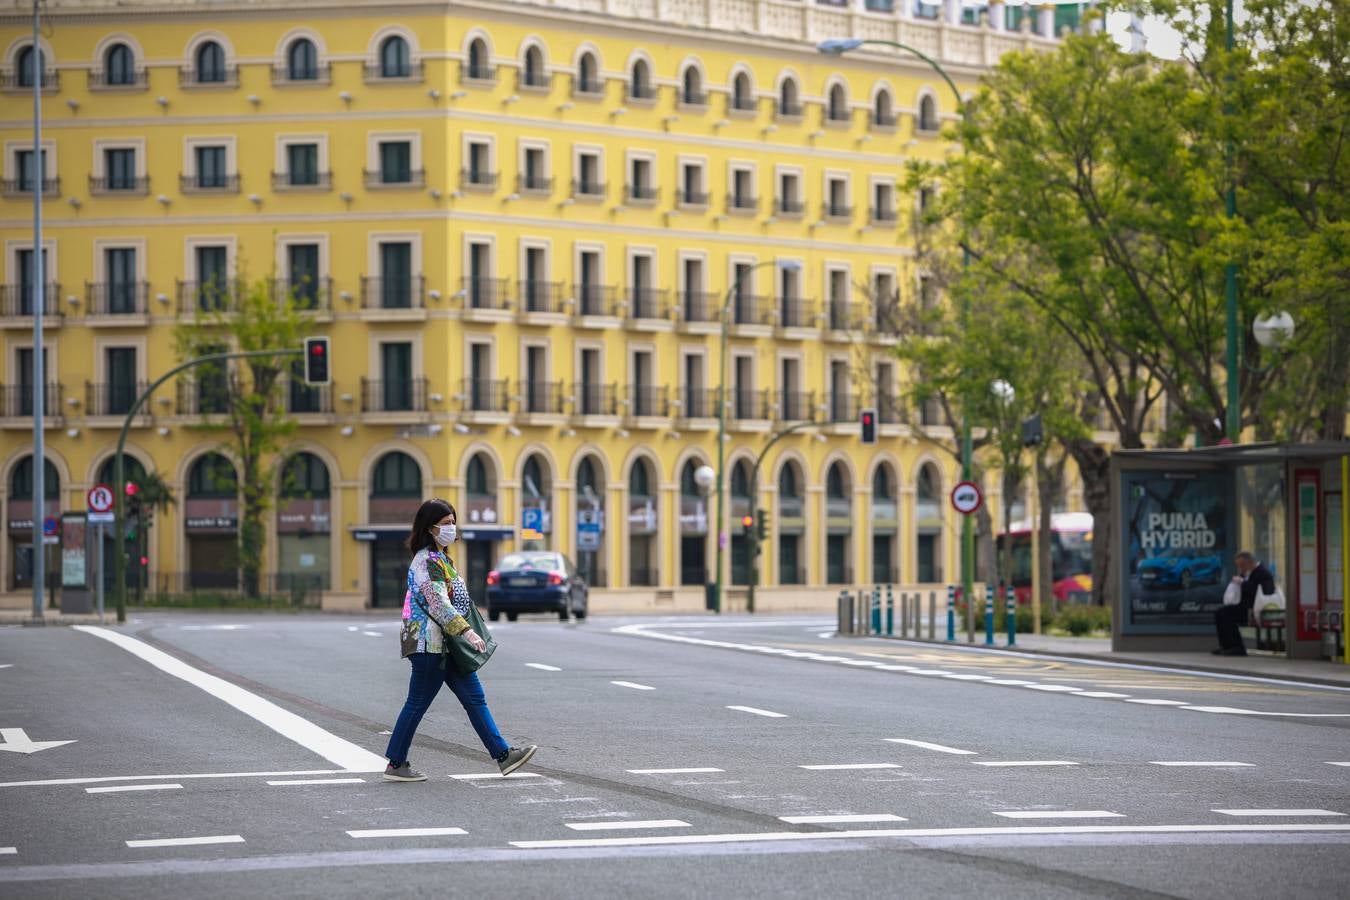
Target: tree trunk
1094	467
985	566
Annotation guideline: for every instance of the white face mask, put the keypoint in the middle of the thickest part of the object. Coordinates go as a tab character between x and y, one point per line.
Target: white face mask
445	535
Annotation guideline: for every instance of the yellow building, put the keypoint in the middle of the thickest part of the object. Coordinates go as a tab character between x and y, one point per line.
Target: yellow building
517	221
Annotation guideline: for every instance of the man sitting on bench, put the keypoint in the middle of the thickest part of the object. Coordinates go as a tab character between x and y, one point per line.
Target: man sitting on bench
1228	619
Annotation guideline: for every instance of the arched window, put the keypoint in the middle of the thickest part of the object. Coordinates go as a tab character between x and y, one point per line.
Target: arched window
32	66
305	477
395	61
688	483
586	478
132	470
740	480
742	95
119	66
838	104
478	59
640	81
691	87
787	482
928	118
212	476
21	480
533	71
476	477
396	475
834	483
789	102
302	61
639	484
883	110
210	63
588	81
535	486
926	485
881	484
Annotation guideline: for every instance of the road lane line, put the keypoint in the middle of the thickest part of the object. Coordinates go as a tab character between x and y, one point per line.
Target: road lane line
352	628
292	781
634	685
689	771
1054	688
1293	813
119	788
838	767
769	714
372	634
1009	763
51	782
480	776
189	842
1104	695
1234	711
1202	764
924	745
1345	764
650	823
1013	682
929	672
1059	814
542	667
961	677
1147	702
841	820
854	834
8	851
405	832
284	722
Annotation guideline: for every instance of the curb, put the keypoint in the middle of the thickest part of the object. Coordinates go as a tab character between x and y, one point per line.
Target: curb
1142	661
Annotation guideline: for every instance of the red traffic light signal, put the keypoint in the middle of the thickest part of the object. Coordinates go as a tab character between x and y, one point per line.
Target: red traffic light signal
316	361
867	426
747	522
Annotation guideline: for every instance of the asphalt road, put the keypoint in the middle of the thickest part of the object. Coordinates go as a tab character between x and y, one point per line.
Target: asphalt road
814	766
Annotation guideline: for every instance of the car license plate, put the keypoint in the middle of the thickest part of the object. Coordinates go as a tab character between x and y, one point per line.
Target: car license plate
520	582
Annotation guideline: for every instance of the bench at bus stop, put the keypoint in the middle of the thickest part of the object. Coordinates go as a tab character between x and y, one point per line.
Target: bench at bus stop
1269	628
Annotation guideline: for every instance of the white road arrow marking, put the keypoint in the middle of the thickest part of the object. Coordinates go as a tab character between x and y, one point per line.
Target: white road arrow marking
17	741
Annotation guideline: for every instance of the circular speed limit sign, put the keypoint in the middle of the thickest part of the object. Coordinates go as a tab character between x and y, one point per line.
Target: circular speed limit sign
100	498
966	497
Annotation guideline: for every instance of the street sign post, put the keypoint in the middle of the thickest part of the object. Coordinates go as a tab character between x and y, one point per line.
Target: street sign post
966	497
100	500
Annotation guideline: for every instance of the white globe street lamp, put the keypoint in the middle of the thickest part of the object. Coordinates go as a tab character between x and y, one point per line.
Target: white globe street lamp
1274	330
704	476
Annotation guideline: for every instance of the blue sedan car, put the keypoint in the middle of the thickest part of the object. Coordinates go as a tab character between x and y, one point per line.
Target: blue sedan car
536	581
1180	568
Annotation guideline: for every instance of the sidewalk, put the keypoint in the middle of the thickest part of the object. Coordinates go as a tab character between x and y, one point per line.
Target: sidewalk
53	617
1255	664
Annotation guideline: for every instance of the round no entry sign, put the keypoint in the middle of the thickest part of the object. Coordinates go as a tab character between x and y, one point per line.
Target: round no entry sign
99	498
966	497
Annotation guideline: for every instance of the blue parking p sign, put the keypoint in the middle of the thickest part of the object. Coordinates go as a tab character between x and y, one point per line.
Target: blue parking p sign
532	518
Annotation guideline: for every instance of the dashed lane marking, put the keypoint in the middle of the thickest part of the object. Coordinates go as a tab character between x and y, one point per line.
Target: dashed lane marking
481	776
352	628
405	832
606	826
768	714
120	788
294	781
372	634
543	667
51	782
1292	813
1149	702
1054	688
1012	763
1344	764
1232	711
1059	814
841	767
1103	695
188	841
1201	764
634	685
924	745
8	851
841	820
695	770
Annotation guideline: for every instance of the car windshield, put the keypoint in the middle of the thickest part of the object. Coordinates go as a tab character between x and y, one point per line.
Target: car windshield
530	562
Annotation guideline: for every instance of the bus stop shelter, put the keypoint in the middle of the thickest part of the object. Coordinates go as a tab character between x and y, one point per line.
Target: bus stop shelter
1180	516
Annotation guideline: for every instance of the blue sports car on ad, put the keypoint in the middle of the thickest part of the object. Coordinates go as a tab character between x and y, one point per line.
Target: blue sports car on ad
1180	568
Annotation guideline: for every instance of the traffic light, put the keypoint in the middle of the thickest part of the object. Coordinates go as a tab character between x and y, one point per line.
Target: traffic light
867	426
761	524
748	524
131	489
316	361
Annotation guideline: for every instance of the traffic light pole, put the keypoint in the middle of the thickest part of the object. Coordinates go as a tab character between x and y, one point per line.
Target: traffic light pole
119	485
754	498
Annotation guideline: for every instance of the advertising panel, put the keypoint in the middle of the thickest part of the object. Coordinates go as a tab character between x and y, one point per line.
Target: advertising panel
1178	531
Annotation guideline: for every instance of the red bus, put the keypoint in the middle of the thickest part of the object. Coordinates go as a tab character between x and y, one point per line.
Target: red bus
1070	557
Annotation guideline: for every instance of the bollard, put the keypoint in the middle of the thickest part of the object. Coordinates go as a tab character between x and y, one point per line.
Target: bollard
876	609
951	612
932	615
907	614
843	626
860	611
989	615
1011	613
890	612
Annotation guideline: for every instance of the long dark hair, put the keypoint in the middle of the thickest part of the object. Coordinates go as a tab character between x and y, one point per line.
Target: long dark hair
428	514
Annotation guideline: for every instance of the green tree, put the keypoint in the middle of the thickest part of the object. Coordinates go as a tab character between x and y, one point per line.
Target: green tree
246	401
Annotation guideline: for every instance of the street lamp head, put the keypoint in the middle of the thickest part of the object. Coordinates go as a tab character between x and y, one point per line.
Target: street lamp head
1274	330
839	46
704	476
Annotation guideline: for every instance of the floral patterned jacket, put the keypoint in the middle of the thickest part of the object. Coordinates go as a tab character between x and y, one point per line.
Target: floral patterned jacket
436	603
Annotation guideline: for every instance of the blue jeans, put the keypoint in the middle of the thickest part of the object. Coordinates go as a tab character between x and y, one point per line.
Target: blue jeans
425	684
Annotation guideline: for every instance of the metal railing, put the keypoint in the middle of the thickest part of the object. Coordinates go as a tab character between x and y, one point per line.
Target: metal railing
394	395
116	184
751	309
310	294
594	299
743	202
591	190
191	77
648	303
789	206
843	316
539	296
287	181
16	401
395	293
485	394
590	399
198	183
788	110
485	293
527	183
796	406
97	80
794	312
203	396
698	403
642	193
207	296
482	73
889	410
301	398
639	91
16	300
408	178
535	80
688	197
10	187
477	178
842	407
693	98
647	400
113	398
832	210
698	306
116	298
321	73
749	405
541	397
414	71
